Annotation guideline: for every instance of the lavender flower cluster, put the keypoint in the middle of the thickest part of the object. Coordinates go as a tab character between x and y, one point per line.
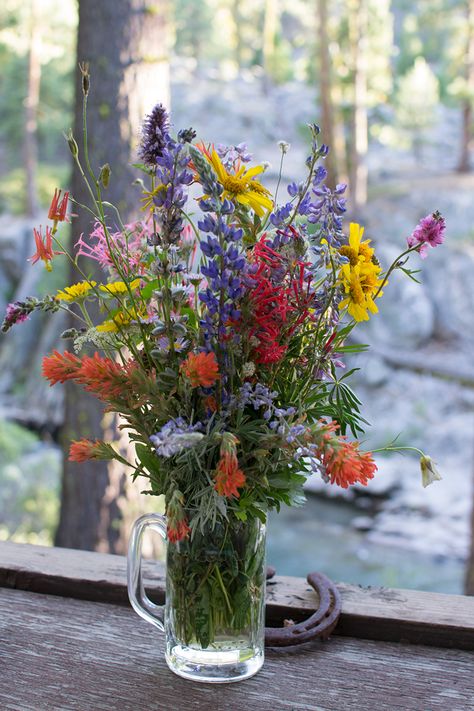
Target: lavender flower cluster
175	436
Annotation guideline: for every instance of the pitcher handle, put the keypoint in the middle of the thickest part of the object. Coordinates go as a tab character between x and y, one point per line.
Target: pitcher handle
139	600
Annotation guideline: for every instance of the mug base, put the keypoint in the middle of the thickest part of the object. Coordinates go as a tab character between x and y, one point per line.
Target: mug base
215	665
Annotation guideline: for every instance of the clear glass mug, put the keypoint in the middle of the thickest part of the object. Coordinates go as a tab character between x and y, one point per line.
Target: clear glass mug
214	615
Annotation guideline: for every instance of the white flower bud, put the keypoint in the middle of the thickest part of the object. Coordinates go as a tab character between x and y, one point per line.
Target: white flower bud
284	146
429	471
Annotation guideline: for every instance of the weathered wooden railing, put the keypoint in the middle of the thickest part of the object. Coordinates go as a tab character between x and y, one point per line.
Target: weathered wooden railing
68	640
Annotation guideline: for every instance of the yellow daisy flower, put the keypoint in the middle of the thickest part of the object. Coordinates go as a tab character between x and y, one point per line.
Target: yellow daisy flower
116	288
114	324
357	251
148	195
241	185
76	292
360	286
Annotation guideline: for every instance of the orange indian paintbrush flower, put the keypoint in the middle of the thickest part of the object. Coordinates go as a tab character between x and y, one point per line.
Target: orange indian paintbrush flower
83	450
229	477
59	367
178	532
201	369
343	462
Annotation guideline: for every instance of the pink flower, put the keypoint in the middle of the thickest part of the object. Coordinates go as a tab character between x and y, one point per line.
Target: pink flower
429	232
129	247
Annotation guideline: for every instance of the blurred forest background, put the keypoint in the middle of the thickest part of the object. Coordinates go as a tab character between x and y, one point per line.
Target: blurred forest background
391	83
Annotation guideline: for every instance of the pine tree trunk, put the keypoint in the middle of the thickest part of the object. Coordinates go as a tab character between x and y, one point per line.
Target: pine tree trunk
325	85
125	42
467	108
30	140
359	138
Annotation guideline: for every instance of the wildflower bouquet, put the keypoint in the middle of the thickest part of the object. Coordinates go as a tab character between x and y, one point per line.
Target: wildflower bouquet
226	324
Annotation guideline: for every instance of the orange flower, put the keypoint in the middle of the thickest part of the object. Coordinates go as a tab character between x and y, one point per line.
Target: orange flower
59	367
44	248
84	449
57	210
201	369
229	478
344	464
104	377
178	531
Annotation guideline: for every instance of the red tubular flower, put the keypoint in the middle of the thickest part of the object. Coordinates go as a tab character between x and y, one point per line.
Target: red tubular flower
59	367
279	303
178	531
201	369
57	210
84	449
44	248
228	478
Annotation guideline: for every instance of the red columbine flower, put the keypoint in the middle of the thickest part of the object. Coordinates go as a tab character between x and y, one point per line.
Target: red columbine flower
85	449
59	367
44	248
57	210
178	531
201	369
228	478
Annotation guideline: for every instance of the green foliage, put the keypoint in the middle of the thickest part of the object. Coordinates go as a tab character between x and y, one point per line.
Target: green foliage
29	477
55	24
216	583
12	186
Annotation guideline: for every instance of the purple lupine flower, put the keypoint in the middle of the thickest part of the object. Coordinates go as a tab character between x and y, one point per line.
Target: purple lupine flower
171	178
225	269
230	154
154	135
429	232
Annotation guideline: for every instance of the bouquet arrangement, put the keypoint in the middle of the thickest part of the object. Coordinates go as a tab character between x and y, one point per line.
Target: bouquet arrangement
226	318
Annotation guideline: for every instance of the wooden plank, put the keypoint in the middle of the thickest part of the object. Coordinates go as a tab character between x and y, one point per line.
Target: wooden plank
65	654
371	613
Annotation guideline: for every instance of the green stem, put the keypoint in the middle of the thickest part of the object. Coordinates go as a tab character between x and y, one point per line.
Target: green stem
398	449
224	591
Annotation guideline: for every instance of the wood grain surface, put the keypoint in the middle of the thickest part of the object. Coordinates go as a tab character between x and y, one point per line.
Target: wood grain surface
370	613
68	654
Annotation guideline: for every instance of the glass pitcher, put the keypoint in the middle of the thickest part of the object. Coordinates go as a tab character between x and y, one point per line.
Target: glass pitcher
214	613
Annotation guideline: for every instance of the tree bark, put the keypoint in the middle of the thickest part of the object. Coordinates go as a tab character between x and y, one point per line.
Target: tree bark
125	42
30	139
467	107
325	86
359	138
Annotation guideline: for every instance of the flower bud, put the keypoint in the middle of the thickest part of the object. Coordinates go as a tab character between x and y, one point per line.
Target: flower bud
429	471
86	77
71	141
104	175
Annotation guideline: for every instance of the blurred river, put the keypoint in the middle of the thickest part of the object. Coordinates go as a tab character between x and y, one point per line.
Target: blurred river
319	536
